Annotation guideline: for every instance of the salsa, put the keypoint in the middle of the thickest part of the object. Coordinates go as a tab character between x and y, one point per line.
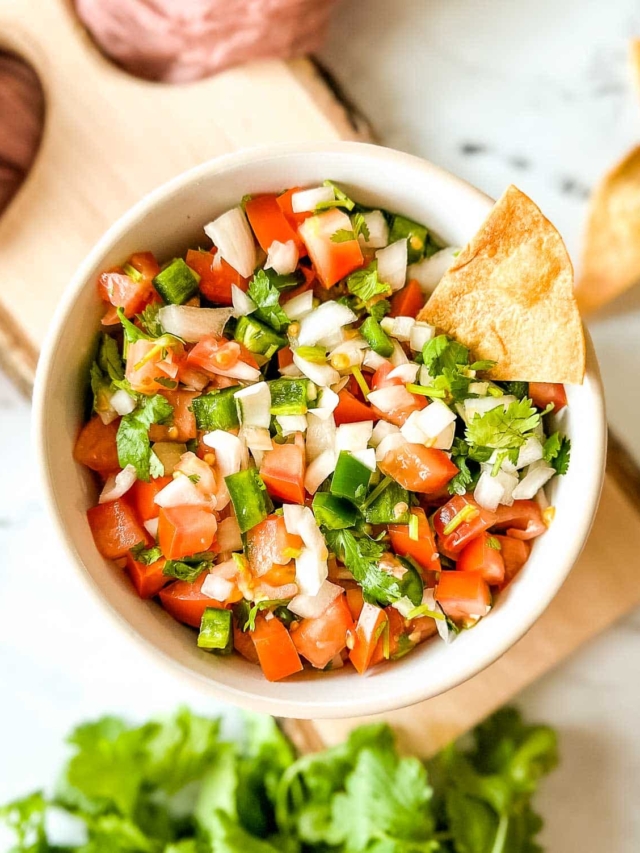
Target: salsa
291	461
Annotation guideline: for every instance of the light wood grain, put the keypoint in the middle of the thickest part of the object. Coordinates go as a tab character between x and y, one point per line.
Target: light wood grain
109	138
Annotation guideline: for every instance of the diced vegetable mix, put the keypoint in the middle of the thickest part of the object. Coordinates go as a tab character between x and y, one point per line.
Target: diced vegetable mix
292	461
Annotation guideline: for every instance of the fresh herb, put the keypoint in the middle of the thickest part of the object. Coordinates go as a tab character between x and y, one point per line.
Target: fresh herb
415	234
107	374
267	298
468	472
132	333
504	429
379	309
247	613
557	452
494	543
517	389
362	556
185	570
258	337
171	384
145	555
150	321
341	199
447	362
359	225
343	235
134	446
366	285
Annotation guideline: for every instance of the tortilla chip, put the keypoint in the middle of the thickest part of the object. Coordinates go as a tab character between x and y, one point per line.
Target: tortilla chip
509	297
611	255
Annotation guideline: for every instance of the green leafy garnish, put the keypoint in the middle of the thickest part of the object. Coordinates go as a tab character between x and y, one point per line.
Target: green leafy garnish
362	556
267	297
359	226
145	555
134	446
447	362
107	374
149	320
504	429
186	569
131	332
341	199
366	285
557	452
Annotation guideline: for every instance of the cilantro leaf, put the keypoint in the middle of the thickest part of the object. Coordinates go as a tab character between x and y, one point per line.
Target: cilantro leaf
185	570
359	226
132	439
150	321
379	309
267	297
366	285
341	199
518	389
441	353
144	555
361	555
25	819
557	451
343	235
131	332
503	429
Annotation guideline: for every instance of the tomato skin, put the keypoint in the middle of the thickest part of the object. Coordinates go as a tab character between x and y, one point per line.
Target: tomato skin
121	291
408	301
454	542
418	468
355	602
283	471
115	528
185	601
243	644
319	640
148	580
515	553
216	277
277	655
213	351
463	595
332	261
146	264
96	447
268	545
182	426
397	416
543	393
285	357
525	518
143	495
185	530
423	550
269	222
350	410
365	635
479	556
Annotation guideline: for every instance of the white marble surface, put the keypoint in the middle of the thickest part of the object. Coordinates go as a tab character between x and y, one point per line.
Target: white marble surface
496	91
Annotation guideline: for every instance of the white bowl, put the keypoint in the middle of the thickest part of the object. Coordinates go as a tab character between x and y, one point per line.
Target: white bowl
166	222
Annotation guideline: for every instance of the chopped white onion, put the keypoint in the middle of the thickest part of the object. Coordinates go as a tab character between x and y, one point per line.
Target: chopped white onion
122	402
479	388
107	416
392	264
381	430
308	200
217	587
282	257
240	370
230	452
536	476
482	405
311	565
489	491
256	438
232	236
445	632
243	304
421	334
118	484
192	466
292	423
373	360
390	442
228	535
254	405
311	570
399	356
318	470
429	271
291	370
321	436
353	437
321	374
182	492
192	324
426	378
405	372
322	321
312	606
378	228
412	430
169	453
434	418
404	606
398	327
151	526
367	457
326	404
390	398
530	452
444	440
299	306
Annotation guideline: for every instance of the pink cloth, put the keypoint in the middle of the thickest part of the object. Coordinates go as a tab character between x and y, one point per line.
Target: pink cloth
182	40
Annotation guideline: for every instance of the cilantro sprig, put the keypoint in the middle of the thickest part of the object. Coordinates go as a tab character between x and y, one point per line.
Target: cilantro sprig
557	452
447	363
366	285
132	439
266	296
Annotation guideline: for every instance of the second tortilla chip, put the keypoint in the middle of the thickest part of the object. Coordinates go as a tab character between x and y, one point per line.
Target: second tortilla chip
509	297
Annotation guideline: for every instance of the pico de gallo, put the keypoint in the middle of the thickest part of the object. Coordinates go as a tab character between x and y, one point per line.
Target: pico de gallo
290	460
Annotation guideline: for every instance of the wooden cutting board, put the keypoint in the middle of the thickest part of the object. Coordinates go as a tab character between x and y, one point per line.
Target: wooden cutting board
108	139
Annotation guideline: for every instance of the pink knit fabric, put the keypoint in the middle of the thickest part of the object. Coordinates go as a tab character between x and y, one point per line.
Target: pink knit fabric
182	40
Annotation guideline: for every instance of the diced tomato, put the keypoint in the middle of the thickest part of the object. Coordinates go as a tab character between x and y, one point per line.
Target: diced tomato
143	496
115	528
182	426
96	446
332	261
350	410
142	370
418	468
521	520
464	596
243	644
285	357
515	554
146	264
543	393
478	520
365	635
390	640
269	222
185	530
397	416
276	653
121	291
186	602
479	556
423	549
213	351
408	301
148	580
283	470
355	601
320	640
216	276
279	575
284	203
269	544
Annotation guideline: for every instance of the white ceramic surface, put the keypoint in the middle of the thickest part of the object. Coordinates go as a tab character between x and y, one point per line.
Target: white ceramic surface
166	221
